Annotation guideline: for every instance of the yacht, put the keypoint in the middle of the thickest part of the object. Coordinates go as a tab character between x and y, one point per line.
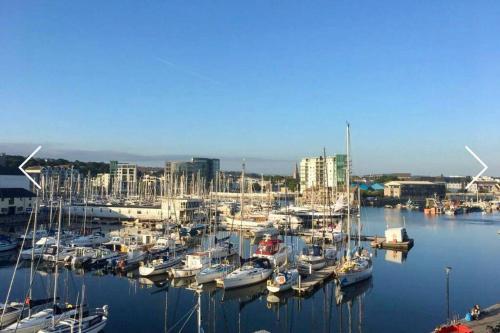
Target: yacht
94	239
311	258
54	254
134	256
273	249
254	271
159	265
194	263
260	231
6	244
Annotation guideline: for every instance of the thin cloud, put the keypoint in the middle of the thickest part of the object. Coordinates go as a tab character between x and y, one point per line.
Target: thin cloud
187	71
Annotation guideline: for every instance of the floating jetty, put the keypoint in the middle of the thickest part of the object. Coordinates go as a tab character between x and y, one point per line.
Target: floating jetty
315	279
489	317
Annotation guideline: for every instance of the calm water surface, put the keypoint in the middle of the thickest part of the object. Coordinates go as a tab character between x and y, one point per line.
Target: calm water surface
404	295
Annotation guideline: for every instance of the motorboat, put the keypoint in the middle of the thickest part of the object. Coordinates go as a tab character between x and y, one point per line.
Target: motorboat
159	266
273	249
264	230
42	319
6	244
94	239
53	254
311	258
214	272
254	271
283	280
90	323
79	256
194	263
134	256
285	221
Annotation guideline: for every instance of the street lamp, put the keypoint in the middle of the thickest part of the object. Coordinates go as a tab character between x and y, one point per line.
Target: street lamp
448	270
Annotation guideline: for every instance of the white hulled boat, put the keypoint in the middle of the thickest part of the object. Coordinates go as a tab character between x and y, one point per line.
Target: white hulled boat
194	263
273	249
214	272
283	280
254	271
159	266
311	258
90	323
358	267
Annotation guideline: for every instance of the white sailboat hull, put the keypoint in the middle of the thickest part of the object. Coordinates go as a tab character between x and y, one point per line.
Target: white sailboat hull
241	280
349	278
158	269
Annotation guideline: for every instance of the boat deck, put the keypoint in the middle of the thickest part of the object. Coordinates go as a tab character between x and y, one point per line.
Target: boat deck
380	242
489	317
316	278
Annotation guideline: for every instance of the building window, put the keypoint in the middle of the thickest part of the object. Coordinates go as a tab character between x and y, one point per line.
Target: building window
19	209
11	201
138	212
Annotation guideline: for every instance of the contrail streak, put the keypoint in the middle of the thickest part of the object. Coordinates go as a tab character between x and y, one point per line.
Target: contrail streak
187	71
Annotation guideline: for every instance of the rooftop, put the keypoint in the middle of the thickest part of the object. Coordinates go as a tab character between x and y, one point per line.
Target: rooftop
10	171
16	193
409	182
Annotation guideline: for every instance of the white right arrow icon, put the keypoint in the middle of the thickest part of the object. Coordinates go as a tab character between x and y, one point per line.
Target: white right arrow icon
26	161
481	172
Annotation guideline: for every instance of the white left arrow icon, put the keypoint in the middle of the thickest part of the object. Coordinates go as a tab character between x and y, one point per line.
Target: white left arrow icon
26	161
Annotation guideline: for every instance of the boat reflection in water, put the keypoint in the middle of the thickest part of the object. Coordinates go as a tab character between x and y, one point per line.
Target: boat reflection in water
159	281
353	298
397	257
245	295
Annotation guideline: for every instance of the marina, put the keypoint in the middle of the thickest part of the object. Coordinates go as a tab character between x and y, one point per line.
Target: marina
317	291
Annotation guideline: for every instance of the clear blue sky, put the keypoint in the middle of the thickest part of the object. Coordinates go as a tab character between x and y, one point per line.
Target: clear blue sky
417	80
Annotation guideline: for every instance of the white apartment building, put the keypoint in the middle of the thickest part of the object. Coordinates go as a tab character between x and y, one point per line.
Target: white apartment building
125	183
315	172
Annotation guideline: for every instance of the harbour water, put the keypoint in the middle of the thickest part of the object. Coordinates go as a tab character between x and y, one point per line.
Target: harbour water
404	295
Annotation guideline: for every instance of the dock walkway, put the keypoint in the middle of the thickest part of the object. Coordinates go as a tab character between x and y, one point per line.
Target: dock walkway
489	317
316	278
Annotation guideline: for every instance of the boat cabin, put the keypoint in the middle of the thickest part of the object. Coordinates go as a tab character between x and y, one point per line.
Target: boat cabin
268	246
396	235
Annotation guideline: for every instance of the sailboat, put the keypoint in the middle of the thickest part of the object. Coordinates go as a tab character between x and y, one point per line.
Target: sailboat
44	318
357	267
90	323
254	271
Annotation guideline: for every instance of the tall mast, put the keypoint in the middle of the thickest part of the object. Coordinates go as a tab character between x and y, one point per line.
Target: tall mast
348	191
56	274
242	190
33	242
